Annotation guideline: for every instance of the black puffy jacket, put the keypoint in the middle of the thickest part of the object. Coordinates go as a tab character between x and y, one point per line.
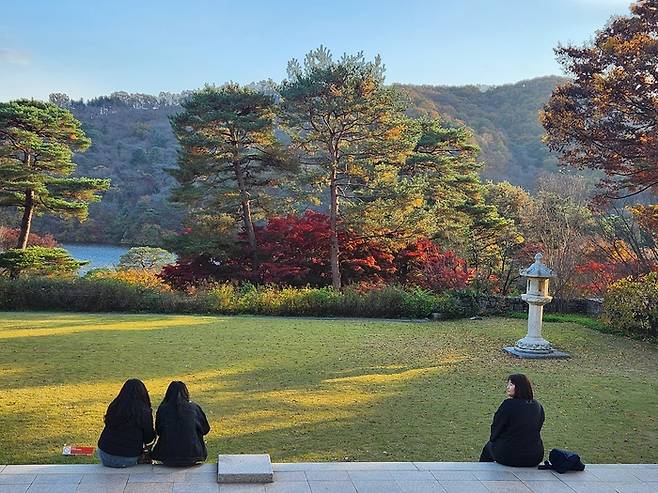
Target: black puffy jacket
516	433
180	432
127	439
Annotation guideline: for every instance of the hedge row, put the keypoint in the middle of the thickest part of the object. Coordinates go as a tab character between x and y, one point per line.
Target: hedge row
110	295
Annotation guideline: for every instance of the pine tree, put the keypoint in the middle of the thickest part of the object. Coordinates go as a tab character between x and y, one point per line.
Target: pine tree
229	159
350	127
37	142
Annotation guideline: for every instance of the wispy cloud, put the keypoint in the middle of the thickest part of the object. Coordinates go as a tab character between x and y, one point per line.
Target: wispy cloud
14	57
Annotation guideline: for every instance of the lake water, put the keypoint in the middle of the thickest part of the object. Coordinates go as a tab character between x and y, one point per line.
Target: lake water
99	255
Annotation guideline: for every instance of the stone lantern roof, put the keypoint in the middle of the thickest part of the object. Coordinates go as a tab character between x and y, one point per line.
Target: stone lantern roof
537	269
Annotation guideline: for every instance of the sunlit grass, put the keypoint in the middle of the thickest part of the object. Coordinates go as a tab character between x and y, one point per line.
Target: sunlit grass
304	389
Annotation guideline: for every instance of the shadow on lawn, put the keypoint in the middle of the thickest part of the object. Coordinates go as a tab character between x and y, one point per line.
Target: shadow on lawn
328	420
252	395
68	353
356	391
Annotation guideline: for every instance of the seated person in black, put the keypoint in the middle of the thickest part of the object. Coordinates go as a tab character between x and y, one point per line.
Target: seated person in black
128	426
180	425
515	432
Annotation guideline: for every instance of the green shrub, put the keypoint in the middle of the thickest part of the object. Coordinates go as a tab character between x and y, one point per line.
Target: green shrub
102	292
631	305
273	300
467	302
386	302
319	302
449	306
94	295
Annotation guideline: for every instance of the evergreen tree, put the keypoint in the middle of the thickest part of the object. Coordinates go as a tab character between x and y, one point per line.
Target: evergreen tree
444	160
349	125
39	261
229	159
444	165
431	193
37	142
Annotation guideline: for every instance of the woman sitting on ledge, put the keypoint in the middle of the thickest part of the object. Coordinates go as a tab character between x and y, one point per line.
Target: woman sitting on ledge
128	426
515	432
181	425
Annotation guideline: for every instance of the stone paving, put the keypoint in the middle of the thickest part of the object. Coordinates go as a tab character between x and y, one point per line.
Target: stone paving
333	477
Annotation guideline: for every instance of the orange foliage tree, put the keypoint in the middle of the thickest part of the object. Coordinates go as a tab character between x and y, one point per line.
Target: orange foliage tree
606	117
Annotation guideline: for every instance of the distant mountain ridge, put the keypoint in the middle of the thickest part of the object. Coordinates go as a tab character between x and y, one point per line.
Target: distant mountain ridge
132	143
504	119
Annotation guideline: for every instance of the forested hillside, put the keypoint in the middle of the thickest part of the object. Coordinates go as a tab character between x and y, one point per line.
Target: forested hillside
505	122
133	145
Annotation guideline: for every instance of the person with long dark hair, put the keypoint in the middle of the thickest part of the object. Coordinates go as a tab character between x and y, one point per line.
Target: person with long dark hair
181	425
516	429
128	426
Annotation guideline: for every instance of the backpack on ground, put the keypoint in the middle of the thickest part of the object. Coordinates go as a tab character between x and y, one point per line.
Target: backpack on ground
562	461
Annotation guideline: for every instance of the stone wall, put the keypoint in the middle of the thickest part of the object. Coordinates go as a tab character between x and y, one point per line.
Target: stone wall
496	305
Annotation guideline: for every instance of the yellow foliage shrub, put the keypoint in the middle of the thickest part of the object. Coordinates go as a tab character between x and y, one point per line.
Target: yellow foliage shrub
134	277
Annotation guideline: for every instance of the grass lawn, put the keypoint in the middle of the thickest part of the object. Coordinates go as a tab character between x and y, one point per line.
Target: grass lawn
321	390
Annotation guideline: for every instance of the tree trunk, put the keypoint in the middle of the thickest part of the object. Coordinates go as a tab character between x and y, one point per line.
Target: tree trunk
246	212
333	218
248	224
26	222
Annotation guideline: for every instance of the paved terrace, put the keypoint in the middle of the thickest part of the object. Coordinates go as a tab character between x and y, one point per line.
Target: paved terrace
336	477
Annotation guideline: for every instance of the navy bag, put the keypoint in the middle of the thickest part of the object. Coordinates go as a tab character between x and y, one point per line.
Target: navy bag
562	461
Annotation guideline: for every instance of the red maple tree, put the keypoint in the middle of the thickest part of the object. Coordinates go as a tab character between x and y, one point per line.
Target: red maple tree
424	264
293	250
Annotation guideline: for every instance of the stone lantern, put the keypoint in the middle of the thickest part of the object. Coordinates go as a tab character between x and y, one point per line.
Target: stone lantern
533	345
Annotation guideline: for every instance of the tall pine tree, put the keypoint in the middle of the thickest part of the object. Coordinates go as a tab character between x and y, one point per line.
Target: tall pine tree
229	160
349	125
37	143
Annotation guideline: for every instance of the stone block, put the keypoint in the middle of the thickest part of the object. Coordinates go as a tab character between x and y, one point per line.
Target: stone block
244	468
555	354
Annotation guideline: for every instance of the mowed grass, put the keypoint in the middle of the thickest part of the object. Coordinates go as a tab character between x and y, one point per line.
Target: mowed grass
322	390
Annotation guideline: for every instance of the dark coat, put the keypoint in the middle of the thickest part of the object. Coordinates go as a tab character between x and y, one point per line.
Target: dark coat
127	439
515	433
180	434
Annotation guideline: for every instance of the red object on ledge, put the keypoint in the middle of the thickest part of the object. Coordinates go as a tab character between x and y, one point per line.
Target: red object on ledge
77	450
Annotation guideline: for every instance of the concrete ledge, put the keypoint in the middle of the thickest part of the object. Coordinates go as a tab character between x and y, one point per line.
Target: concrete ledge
287	466
244	468
331	477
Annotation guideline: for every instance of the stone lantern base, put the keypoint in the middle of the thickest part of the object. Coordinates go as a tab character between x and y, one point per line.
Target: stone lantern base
524	354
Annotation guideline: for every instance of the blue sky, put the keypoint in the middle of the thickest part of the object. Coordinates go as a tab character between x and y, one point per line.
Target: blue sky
89	48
